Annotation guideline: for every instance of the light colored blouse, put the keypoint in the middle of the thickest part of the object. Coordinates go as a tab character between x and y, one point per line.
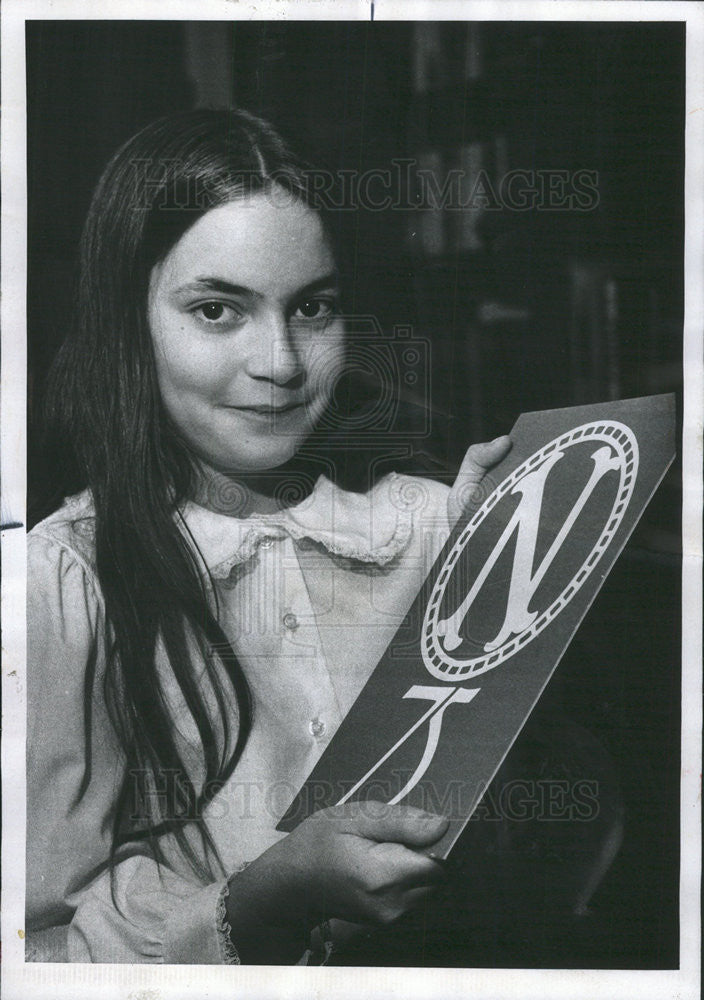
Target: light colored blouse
309	597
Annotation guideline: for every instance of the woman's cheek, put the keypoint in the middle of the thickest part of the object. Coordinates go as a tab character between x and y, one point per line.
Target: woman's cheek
199	369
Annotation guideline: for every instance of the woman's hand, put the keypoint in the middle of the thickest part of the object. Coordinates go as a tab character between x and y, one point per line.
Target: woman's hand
468	487
358	862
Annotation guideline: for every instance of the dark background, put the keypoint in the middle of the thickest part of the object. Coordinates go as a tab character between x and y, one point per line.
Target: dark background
531	310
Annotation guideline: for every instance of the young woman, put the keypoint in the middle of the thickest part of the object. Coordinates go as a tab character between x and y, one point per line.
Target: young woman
196	634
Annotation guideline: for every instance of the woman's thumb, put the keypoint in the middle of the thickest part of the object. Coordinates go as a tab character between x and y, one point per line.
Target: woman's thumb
399	824
478	460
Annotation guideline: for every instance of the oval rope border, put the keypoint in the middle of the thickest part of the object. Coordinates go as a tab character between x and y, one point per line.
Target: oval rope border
436	660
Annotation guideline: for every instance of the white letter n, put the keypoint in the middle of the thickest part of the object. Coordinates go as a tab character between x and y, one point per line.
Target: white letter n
525	520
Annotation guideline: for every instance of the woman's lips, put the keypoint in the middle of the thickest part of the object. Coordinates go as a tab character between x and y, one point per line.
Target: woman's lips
267	411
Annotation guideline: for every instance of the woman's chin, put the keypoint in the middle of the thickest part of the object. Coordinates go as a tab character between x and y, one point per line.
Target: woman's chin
263	460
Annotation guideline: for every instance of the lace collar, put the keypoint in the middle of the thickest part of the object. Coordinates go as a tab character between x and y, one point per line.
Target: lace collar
371	527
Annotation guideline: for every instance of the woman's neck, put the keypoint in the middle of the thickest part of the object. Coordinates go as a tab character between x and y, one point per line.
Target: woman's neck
243	494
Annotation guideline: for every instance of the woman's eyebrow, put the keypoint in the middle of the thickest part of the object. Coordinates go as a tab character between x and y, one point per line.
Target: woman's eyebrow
214	285
330	280
207	284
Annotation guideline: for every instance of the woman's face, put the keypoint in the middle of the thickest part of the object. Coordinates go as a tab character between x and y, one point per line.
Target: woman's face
247	338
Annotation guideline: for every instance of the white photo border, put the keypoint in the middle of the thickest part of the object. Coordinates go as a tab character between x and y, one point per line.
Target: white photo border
38	981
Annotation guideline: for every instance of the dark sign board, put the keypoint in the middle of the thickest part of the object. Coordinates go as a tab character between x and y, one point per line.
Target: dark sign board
496	612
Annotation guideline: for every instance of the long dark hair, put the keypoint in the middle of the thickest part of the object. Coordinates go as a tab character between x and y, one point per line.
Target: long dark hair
105	400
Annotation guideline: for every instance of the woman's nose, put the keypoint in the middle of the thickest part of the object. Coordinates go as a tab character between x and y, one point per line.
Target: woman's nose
273	354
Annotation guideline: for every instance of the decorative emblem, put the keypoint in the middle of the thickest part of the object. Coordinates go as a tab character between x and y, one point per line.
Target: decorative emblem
442	632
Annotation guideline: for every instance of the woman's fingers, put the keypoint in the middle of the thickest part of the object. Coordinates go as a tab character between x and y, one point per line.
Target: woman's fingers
358	861
391	823
415	896
396	879
411	867
481	457
478	460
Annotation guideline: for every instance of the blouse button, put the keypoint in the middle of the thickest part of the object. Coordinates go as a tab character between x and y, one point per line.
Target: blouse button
290	621
316	727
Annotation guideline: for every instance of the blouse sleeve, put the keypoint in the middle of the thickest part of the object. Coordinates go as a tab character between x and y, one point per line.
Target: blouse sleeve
162	915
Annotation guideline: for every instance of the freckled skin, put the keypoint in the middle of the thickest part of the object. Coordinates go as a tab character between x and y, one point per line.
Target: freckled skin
274	344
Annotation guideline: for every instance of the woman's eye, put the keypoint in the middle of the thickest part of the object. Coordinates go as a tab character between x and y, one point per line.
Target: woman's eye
217	312
314	309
